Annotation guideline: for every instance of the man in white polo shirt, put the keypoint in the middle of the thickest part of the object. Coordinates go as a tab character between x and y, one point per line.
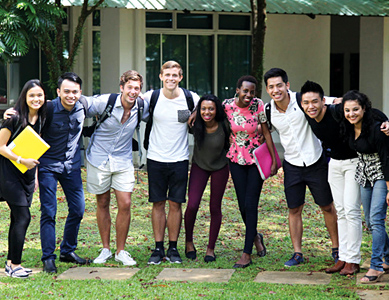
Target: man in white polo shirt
304	163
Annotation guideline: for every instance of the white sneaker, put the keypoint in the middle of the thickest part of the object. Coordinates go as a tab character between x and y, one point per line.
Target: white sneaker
105	254
125	258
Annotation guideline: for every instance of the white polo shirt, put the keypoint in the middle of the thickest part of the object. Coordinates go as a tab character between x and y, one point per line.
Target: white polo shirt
302	147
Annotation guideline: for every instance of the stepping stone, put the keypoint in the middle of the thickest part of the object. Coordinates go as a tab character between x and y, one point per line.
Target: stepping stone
366	264
34	271
293	277
384	280
197	275
83	273
373	294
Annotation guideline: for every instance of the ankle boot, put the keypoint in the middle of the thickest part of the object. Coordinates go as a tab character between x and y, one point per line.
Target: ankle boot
350	269
336	268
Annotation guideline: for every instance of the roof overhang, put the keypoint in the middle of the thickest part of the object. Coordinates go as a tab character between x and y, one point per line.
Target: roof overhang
304	7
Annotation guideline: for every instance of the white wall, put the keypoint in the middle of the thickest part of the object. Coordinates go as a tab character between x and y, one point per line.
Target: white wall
300	46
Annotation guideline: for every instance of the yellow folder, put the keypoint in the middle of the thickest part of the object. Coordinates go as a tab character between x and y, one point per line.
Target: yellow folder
28	144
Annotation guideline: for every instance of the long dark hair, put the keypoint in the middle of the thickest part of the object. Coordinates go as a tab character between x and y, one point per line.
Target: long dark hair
22	108
369	117
199	129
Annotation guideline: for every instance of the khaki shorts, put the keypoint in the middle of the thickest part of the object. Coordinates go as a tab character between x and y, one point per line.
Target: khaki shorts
99	181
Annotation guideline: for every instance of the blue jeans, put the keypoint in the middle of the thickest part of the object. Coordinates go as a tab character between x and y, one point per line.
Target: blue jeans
72	186
375	207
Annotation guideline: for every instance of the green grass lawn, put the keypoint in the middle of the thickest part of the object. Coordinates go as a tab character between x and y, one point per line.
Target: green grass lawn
273	223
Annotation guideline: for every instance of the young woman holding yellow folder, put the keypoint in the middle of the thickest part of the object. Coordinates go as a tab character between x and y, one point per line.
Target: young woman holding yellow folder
15	187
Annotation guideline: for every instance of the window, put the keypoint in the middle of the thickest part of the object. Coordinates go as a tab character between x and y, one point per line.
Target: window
194	21
159	20
212	60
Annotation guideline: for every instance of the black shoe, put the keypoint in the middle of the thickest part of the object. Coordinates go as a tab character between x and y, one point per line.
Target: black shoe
238	266
191	254
209	258
261	253
49	266
72	257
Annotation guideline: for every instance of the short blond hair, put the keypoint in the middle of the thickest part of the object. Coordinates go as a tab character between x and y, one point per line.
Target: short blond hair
131	75
171	64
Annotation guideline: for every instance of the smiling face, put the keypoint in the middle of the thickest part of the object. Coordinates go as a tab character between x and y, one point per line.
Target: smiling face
313	105
69	92
130	91
170	78
208	111
35	98
245	93
277	89
353	112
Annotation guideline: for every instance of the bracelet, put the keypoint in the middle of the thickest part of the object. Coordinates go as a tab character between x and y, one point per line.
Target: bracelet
18	160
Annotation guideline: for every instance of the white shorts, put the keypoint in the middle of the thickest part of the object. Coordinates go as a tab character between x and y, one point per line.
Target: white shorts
99	181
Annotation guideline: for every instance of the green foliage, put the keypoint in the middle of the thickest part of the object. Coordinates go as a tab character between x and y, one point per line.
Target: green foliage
272	222
20	23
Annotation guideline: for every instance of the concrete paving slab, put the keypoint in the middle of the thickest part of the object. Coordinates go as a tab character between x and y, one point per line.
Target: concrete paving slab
366	264
83	273
34	271
196	275
293	277
373	294
384	280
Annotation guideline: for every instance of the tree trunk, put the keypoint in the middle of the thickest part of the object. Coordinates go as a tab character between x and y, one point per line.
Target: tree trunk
258	9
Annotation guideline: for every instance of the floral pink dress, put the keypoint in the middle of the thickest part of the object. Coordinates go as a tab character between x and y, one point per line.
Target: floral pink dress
244	123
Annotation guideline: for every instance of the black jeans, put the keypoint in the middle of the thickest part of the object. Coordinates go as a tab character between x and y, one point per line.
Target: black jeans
20	219
248	185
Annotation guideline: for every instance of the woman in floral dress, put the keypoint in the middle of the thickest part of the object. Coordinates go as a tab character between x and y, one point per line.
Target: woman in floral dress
245	114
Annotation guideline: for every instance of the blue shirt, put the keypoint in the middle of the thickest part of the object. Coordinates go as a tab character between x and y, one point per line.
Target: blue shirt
111	143
63	136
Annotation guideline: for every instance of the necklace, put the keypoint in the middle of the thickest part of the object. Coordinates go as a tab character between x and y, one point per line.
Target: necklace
283	110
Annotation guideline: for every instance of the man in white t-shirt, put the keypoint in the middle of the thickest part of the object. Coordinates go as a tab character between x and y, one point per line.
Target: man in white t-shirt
304	163
168	159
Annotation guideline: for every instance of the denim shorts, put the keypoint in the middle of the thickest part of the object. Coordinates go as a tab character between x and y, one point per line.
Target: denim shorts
296	179
167	181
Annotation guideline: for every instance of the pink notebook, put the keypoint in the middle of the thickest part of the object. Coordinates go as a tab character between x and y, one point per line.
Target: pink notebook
263	160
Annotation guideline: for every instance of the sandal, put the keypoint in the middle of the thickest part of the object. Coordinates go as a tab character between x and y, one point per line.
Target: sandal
372	279
261	253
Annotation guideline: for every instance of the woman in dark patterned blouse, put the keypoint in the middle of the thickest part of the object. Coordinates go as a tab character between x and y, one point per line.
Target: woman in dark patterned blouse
362	128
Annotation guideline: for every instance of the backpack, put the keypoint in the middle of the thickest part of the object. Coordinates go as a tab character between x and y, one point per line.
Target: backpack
87	131
153	103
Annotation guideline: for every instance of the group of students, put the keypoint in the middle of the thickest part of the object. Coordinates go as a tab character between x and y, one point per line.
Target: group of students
226	133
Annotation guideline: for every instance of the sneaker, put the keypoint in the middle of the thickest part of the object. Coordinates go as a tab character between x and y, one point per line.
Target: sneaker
296	259
173	256
157	257
7	267
105	254
18	272
125	258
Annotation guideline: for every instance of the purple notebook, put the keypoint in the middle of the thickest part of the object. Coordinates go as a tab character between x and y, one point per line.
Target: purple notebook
263	160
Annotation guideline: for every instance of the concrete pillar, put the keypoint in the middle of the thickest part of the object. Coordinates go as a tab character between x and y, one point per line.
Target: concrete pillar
123	45
385	78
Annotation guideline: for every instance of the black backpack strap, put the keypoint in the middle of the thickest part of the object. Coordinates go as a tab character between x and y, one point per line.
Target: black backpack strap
141	106
153	103
189	99
268	115
108	110
299	99
49	115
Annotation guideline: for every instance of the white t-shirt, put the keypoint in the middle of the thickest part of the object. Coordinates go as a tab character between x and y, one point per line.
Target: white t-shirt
302	147
169	133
